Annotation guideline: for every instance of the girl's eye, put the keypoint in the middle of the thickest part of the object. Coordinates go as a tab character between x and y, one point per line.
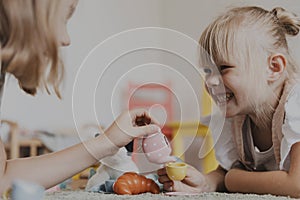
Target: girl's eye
223	67
207	71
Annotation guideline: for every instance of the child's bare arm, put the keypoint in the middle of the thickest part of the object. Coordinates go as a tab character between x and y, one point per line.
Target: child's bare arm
51	169
271	182
216	179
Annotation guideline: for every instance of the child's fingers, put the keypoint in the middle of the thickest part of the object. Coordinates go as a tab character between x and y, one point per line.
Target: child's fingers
191	171
145	130
163	179
162	172
149	129
168	186
143	116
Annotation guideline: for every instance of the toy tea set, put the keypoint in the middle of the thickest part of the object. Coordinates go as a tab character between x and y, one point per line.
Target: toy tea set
151	152
157	150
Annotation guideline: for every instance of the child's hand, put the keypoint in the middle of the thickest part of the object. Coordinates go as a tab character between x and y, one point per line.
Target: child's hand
125	128
194	181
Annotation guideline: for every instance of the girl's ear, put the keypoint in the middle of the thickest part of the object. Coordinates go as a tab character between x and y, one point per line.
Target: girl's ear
276	67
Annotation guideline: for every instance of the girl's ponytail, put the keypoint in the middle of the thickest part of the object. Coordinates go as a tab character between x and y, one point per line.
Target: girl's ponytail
287	20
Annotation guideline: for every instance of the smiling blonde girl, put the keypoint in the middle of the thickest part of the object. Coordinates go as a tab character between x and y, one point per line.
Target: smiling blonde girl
258	150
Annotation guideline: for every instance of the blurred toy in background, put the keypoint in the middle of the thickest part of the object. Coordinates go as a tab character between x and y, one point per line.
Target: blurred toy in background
24	190
110	169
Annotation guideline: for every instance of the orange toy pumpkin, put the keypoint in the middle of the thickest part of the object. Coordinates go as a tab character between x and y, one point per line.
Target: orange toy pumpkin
133	183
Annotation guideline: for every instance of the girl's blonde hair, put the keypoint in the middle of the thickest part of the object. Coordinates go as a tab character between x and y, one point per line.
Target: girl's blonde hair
29	45
246	36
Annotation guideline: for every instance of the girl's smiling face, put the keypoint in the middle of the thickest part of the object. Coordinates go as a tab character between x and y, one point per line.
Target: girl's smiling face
251	67
236	93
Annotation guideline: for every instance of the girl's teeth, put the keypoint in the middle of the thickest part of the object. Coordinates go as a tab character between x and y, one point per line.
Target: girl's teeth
229	96
223	98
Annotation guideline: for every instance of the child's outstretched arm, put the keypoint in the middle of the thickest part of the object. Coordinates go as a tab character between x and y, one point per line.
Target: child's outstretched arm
51	169
194	181
271	182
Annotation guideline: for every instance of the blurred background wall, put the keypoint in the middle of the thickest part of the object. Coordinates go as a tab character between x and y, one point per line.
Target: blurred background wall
96	20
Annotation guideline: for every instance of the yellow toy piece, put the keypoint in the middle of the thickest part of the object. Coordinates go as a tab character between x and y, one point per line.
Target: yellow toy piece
7	194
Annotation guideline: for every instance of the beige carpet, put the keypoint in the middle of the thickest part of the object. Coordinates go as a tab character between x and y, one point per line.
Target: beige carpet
81	195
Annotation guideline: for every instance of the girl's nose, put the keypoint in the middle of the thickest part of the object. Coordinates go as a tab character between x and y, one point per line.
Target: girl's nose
65	40
212	80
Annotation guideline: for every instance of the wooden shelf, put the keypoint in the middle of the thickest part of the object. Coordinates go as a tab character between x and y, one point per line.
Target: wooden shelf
15	144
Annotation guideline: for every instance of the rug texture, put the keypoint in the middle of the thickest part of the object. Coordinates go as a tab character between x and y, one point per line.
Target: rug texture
82	195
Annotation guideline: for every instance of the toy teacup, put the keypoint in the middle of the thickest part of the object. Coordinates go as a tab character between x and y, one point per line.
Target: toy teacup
157	148
176	171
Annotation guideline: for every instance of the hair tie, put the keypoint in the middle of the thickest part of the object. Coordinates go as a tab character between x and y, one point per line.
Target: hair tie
274	14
